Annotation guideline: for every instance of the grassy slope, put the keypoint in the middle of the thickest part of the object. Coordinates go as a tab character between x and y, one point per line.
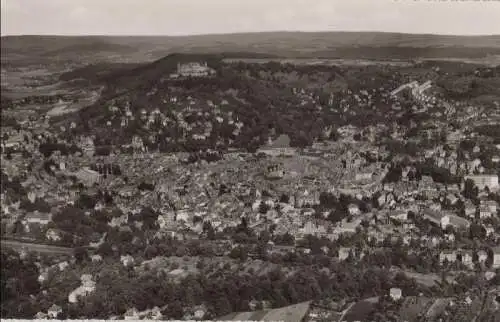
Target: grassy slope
292	313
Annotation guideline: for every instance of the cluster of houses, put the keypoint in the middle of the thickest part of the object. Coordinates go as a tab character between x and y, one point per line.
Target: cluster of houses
470	257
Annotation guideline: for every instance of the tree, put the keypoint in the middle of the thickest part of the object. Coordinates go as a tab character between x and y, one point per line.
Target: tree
86	202
150	252
80	254
287	239
394	174
223	189
477	231
263	208
175	310
470	190
222	306
327	200
239	252
149	217
146	186
105	250
337	215
284	198
19	280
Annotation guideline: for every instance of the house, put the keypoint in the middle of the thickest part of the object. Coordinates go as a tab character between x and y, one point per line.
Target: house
470	210
127	260
137	143
451	199
449	255
306	198
54	311
96	258
457	222
345	227
444	220
363	176
62	265
450	237
13	142
177	273
482	256
119	221
131	314
86	144
399	215
87	287
166	220
395	293
87	176
275	171
490	230
311	228
466	257
484	212
53	235
485	180
496	257
183	215
96	240
41	316
353	209
199	313
490	204
489	276
344	253
37	217
435	217
153	314
127	192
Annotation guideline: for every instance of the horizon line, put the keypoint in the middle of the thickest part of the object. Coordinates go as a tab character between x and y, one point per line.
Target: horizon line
251	32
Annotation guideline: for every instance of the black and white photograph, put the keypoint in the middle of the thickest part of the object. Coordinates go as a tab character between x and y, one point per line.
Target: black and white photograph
263	160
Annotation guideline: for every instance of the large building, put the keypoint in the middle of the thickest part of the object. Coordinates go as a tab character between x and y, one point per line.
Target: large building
88	177
275	171
278	147
193	69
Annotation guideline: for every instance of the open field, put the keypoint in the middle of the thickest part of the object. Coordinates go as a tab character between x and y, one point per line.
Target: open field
322	62
292	313
19	50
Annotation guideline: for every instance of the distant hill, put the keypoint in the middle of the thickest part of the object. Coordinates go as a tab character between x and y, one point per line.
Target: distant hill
91	47
317	40
284	44
96	72
45	45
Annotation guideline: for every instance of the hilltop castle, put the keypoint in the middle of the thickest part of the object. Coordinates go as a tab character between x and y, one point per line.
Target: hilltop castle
193	69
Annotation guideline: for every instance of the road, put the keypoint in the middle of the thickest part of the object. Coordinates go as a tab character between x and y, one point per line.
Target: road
346	311
37	248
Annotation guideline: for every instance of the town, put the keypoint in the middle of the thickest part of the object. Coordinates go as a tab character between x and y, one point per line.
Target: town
375	200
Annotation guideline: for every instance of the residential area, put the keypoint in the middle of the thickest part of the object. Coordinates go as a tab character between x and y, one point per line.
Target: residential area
195	198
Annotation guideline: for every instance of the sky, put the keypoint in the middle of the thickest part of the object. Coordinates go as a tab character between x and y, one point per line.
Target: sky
187	17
